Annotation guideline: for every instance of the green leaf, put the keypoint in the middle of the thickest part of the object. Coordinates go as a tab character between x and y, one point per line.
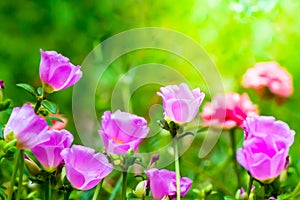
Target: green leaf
5	104
28	88
49	106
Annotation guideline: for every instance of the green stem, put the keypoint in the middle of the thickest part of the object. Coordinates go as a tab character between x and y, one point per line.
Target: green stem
21	171
250	186
98	189
294	193
67	194
48	189
38	104
13	177
177	167
235	164
124	185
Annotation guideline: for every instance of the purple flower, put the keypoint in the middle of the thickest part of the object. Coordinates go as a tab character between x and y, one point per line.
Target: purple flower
266	146
122	131
85	168
163	183
28	128
57	72
180	103
1	84
48	152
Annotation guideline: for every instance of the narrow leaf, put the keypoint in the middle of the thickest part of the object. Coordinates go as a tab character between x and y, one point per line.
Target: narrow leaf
28	88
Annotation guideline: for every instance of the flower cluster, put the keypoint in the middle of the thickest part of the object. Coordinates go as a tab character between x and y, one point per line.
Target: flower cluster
41	131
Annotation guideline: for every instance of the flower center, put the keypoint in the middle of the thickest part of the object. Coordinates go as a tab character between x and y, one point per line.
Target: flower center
118	141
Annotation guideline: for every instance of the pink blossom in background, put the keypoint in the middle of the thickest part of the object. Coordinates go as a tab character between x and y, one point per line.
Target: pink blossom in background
163	183
122	131
266	147
57	71
1	84
85	168
228	110
180	103
57	124
48	152
28	128
269	75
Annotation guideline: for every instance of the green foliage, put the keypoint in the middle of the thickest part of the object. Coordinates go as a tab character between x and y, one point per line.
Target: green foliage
235	34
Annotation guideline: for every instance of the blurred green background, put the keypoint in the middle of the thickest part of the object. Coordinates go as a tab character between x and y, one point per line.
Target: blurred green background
235	34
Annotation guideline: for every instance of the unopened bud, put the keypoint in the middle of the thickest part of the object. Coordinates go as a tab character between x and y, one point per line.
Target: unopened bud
140	189
165	198
32	167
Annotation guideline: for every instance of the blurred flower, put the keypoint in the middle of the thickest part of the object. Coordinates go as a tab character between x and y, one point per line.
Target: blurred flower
28	128
48	152
266	147
85	168
180	103
56	71
1	87
163	183
228	110
57	124
1	84
122	131
269	75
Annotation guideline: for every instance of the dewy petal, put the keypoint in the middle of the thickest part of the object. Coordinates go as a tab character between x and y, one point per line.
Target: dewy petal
28	128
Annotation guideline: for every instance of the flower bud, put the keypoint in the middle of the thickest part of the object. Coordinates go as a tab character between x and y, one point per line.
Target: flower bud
165	198
32	167
140	189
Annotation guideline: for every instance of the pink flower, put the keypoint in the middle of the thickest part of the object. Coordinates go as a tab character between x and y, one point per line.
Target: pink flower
265	148
57	72
269	75
163	183
180	103
28	128
228	111
48	152
122	131
57	124
85	168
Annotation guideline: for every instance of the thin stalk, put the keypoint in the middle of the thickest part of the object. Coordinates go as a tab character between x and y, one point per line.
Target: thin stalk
250	186
67	194
177	167
98	189
13	177
294	193
48	189
21	172
124	185
235	164
38	105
